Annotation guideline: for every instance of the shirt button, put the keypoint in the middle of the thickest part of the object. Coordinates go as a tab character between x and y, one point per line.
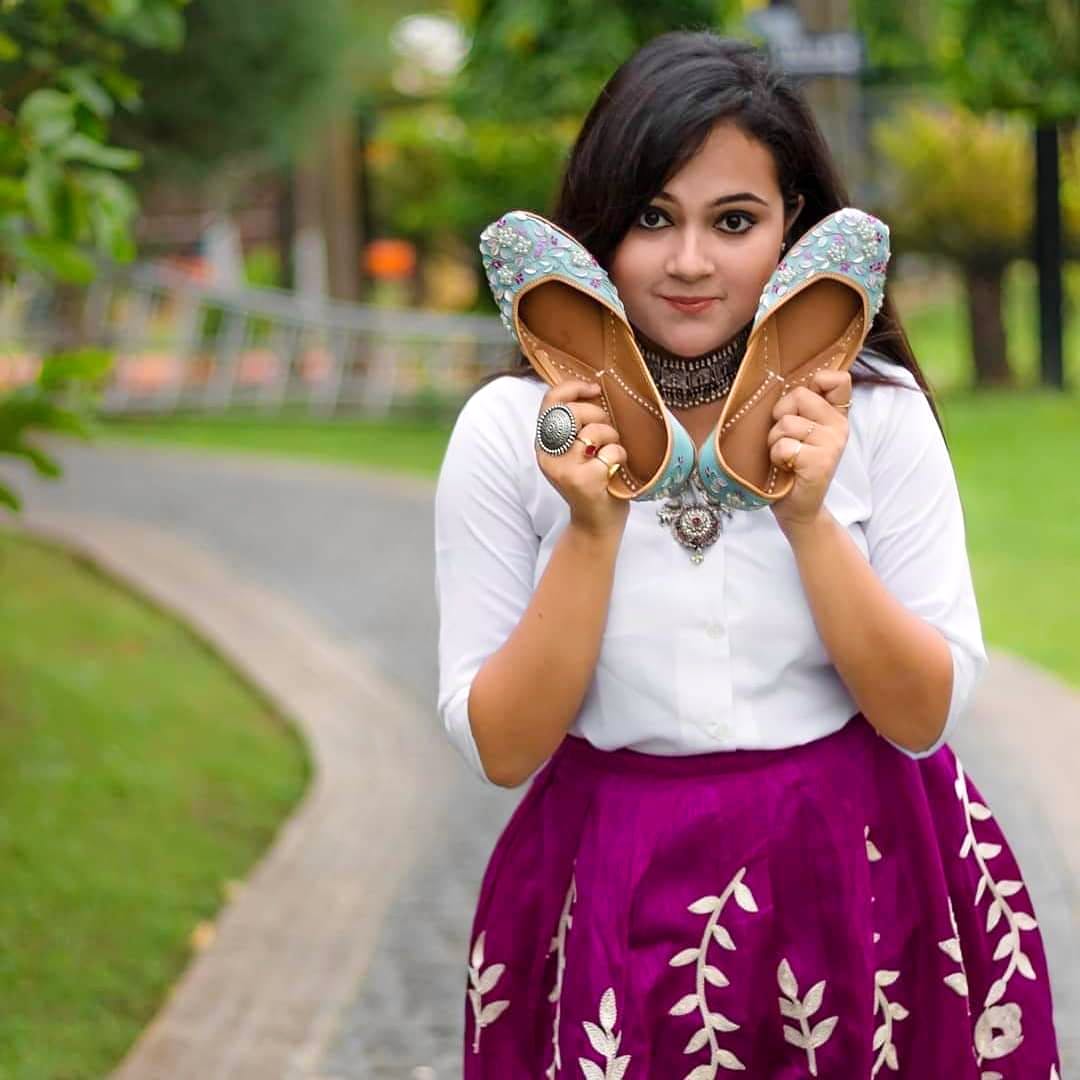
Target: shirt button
715	630
719	730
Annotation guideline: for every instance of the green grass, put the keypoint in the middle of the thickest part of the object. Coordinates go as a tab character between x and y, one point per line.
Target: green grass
1015	457
397	445
138	775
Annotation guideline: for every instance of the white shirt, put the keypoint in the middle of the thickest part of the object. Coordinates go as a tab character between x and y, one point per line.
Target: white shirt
697	658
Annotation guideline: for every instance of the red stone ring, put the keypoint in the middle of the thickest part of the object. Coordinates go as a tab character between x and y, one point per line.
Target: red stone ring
590	447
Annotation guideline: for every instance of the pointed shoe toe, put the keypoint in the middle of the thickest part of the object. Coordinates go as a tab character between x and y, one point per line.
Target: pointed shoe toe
565	313
814	315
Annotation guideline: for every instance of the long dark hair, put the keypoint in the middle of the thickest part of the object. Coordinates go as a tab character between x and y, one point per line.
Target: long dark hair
653	116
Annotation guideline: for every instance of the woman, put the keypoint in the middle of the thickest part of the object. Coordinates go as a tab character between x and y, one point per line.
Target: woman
746	845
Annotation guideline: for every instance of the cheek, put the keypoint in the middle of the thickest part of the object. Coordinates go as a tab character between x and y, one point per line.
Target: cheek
628	267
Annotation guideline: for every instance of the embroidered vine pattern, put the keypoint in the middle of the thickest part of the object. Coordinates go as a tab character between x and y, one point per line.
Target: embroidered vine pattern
956	980
790	1006
712	1022
891	1011
999	1029
558	942
606	1043
483	982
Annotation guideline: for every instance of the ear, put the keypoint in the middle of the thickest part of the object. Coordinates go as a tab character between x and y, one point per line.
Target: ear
792	215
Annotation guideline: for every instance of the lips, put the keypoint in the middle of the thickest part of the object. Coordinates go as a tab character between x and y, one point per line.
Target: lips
690	305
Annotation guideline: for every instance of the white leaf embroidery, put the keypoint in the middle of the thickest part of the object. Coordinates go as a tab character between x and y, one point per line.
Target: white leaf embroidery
600	1042
812	1001
490	978
719	1022
730	1061
745	898
697	1041
707	974
957	981
723	938
605	1042
706	905
822	1031
558	945
492	1012
715	976
684	1005
483	982
803	1037
591	1070
687	956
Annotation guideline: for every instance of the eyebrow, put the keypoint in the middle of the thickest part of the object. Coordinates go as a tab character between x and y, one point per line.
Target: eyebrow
740	196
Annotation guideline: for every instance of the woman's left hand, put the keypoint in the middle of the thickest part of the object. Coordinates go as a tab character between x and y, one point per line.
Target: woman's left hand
807	417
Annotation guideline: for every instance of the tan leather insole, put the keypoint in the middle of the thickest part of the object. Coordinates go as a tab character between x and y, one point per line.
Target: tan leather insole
582	339
819	328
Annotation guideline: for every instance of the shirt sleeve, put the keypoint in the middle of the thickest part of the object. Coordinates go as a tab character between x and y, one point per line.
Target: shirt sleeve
485	549
916	534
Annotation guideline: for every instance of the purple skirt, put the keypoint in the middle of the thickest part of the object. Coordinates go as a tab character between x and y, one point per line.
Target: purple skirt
836	909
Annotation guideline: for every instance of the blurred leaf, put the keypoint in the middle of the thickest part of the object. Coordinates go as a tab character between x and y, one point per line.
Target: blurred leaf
81	365
8	498
79	147
89	91
57	258
48	116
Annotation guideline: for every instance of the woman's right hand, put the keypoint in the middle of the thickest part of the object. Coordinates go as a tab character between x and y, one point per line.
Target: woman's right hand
582	481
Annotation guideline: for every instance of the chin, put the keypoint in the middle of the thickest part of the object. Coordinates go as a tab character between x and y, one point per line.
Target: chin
694	341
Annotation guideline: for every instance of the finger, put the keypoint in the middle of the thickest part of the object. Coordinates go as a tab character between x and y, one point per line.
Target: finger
599	434
803	401
794	426
570	390
834	386
784	450
612	454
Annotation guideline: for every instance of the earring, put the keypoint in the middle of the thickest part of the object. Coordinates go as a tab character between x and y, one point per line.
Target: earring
783	246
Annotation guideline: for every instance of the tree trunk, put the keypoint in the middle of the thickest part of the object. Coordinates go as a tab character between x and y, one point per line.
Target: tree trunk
985	315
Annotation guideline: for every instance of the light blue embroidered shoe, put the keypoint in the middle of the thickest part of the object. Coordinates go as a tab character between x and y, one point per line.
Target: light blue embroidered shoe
814	314
564	312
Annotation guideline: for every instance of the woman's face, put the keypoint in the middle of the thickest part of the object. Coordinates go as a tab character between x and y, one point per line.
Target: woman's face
691	268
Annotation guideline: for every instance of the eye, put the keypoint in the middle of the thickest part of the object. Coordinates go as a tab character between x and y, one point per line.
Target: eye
735	221
652	218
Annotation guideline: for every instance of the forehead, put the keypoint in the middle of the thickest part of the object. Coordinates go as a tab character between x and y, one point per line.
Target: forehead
729	161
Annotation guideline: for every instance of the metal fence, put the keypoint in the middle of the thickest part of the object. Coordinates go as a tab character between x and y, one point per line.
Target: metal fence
181	345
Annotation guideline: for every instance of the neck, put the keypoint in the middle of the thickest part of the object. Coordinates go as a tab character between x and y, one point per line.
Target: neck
686	381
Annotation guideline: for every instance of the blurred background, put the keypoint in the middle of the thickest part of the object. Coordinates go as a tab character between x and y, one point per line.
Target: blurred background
250	228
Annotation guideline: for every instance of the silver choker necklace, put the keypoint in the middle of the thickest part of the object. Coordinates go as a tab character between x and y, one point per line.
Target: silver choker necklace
686	381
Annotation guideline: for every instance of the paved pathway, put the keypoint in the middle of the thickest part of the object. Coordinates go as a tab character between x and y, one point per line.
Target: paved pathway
349	555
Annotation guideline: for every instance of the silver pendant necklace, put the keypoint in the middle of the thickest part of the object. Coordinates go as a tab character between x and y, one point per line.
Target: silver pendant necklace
695	520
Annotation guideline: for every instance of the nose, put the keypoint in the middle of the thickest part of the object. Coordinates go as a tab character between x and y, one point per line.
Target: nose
689	259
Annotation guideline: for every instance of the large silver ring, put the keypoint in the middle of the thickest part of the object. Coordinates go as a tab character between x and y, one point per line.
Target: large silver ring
556	430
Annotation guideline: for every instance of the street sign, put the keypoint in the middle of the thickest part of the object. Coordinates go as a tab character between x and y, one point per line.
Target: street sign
798	53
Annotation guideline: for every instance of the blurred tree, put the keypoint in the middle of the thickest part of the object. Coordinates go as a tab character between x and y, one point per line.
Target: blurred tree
249	84
955	178
1019	56
535	59
63	70
438	178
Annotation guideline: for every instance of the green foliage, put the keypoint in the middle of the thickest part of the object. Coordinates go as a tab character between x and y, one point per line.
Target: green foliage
536	59
1013	54
437	176
961	184
61	76
244	91
55	402
991	55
